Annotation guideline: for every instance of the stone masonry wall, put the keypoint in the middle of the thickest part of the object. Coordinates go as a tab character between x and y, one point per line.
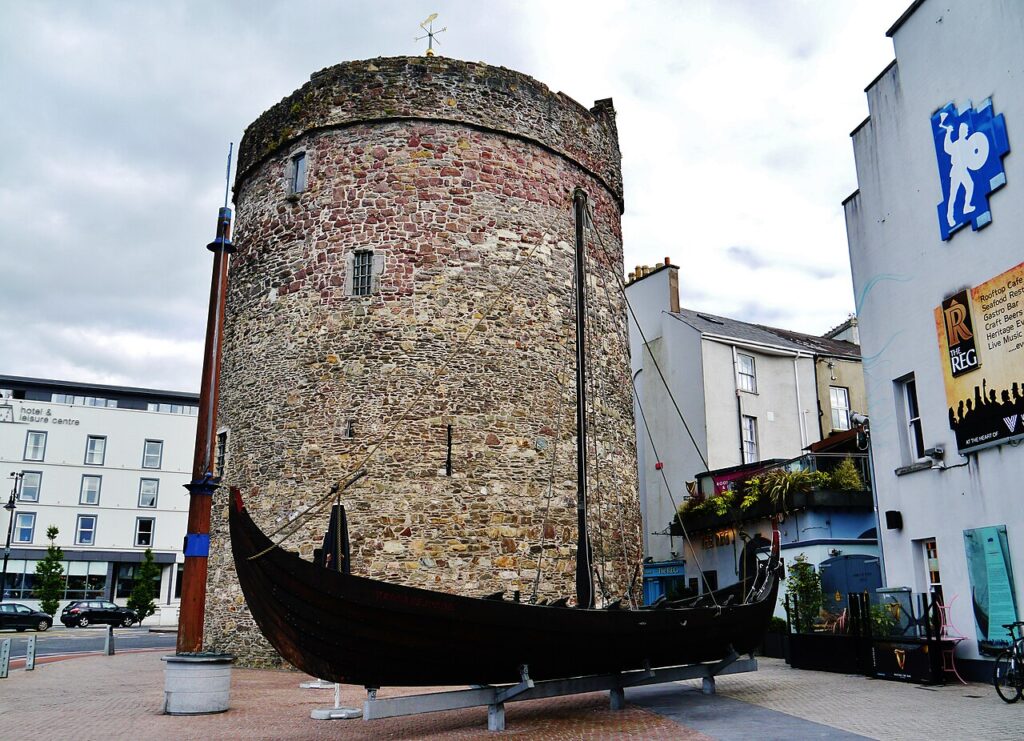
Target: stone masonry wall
471	223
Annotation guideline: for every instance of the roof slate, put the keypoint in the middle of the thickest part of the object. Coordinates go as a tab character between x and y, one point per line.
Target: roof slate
706	323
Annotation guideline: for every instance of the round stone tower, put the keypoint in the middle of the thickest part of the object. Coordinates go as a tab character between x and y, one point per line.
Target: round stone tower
401	301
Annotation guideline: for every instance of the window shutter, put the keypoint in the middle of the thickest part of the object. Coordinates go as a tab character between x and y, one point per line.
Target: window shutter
378	270
349	270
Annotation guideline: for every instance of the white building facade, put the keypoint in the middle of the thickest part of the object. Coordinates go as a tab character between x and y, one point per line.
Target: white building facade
940	310
106	466
748	394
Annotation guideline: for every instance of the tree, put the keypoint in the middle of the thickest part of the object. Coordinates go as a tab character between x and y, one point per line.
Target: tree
146	585
803	588
50	575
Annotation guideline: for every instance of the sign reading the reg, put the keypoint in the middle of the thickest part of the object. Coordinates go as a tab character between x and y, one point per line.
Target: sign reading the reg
969	146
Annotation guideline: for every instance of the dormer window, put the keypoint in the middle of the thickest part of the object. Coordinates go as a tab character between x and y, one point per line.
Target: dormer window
297	173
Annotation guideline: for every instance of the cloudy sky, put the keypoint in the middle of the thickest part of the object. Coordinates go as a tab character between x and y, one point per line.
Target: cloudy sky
733	116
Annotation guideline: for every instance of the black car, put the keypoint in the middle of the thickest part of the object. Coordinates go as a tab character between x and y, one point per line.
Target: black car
84	613
20	617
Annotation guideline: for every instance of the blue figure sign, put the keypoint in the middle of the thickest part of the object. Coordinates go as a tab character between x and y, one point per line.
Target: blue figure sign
969	146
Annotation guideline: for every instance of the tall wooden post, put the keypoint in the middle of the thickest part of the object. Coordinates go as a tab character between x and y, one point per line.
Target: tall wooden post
203	484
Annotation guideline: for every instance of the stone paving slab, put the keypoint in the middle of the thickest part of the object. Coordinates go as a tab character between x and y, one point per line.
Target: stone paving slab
726	719
121	697
878	708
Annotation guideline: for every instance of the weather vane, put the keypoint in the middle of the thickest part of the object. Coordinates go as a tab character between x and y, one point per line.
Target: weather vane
428	26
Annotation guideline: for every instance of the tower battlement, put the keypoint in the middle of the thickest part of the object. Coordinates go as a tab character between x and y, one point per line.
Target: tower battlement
440	89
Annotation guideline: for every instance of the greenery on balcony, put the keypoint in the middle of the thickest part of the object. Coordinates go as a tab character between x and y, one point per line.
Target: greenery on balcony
795	485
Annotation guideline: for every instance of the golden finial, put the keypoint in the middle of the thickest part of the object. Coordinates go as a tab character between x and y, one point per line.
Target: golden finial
428	26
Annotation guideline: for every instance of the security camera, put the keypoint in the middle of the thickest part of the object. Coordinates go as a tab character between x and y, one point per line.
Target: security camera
858	419
937	452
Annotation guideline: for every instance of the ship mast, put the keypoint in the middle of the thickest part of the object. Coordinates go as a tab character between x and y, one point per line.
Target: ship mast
584	572
203	484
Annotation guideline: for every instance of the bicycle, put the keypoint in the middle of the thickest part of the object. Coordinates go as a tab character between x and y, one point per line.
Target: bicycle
1008	673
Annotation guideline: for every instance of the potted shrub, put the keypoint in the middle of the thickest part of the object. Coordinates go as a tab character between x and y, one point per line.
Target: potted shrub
776	640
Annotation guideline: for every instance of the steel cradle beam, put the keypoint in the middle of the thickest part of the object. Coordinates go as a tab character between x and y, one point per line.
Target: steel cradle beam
376	708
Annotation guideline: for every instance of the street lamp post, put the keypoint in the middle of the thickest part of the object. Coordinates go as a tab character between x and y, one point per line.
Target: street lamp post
10	507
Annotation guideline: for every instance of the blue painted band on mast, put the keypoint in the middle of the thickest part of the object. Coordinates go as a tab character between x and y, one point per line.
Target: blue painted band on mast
197	544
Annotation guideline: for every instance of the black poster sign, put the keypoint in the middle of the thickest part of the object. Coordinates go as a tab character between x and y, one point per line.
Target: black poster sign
956	319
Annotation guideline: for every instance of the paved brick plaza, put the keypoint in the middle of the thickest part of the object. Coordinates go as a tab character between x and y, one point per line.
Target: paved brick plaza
121	696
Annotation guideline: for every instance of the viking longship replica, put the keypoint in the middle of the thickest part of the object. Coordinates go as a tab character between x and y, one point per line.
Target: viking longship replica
417	240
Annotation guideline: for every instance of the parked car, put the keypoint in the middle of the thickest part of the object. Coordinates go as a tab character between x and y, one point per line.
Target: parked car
20	617
84	613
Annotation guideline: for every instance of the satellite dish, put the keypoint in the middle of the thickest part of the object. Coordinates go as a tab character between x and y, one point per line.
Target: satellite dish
431	17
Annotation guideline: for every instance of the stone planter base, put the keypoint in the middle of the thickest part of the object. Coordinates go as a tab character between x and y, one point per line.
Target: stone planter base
197	684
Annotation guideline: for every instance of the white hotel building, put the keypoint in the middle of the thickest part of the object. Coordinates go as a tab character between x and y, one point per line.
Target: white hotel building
106	465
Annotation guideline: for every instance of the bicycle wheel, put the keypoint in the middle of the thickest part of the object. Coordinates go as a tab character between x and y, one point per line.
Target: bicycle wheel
1005	677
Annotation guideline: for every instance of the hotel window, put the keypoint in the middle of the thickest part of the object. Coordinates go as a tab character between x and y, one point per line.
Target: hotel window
152	454
88	401
95	450
746	379
749	425
31	482
144	532
839	398
35	446
24	526
148	491
90	490
912	436
297	173
189	409
85	532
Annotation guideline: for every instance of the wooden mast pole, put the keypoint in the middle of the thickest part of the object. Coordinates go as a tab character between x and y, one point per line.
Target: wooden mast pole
584	572
197	539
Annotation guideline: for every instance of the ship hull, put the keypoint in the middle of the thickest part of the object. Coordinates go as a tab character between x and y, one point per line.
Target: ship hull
356	630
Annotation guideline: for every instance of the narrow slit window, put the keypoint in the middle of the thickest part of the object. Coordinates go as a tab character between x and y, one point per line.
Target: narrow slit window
297	182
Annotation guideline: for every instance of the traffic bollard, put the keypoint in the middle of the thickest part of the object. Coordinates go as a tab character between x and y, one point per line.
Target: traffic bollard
108	645
30	654
5	657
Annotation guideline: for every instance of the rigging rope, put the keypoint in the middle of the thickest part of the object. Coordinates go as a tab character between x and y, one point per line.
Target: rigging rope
671	497
623	338
679	413
554	460
592	440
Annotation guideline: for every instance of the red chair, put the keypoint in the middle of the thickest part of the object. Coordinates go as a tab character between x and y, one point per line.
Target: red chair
949	632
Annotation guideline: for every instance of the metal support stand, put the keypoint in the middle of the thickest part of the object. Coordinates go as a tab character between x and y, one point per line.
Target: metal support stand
337	712
108	644
494	698
317	684
30	654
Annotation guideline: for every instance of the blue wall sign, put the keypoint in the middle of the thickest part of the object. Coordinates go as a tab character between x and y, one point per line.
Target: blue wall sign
969	146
